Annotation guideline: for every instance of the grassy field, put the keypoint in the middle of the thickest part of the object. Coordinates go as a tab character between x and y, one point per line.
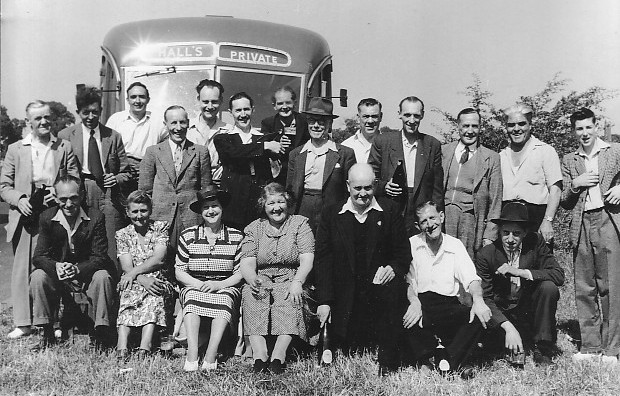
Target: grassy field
76	370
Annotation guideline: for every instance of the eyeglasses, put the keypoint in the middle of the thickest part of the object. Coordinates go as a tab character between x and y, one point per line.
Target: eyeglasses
73	199
320	121
512	124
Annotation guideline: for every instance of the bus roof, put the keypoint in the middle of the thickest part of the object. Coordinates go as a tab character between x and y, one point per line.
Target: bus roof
126	43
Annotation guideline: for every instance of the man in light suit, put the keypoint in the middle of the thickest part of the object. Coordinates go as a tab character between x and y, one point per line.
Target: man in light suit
103	164
591	191
472	184
362	256
420	155
172	172
317	170
31	164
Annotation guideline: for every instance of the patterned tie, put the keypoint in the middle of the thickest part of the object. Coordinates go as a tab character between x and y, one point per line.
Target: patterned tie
465	156
178	158
94	159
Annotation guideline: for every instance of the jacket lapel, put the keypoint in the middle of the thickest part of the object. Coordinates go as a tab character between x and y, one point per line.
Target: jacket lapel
580	165
396	152
106	144
77	143
421	158
482	164
26	156
331	159
374	222
58	154
344	230
603	157
448	157
165	158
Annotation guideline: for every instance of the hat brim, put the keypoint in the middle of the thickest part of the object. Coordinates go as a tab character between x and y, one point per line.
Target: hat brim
314	113
502	220
221	196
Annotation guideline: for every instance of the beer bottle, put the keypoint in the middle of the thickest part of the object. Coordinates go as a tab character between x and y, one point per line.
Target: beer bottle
400	177
441	358
326	356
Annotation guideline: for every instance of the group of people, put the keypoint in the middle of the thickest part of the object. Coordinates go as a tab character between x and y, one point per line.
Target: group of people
390	239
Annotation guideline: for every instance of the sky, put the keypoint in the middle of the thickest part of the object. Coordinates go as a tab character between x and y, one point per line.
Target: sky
383	49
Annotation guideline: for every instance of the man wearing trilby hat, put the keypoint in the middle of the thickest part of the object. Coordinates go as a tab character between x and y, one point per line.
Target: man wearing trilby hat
520	279
317	171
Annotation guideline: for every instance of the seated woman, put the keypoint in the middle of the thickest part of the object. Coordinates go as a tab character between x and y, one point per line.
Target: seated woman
206	265
141	248
276	257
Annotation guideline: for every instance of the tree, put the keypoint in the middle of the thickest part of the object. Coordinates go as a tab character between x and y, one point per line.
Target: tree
61	117
9	130
551	114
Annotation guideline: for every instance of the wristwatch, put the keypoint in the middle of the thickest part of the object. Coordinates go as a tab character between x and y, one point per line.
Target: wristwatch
549	219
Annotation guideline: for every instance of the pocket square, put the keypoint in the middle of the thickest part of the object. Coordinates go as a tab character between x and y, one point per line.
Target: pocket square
337	166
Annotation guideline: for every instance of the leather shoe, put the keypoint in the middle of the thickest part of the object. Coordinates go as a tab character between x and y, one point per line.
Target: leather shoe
19	332
276	366
43	344
261	366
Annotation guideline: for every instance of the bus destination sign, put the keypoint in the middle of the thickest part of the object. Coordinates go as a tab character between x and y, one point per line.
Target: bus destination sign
174	52
240	53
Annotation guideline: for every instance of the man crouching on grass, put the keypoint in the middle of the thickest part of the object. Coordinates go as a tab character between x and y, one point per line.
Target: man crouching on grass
72	256
437	322
520	279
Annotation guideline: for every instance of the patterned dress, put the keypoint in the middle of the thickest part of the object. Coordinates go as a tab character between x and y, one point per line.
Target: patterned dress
209	262
277	257
137	306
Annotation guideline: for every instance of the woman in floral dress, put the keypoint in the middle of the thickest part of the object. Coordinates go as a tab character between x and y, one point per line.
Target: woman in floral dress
141	248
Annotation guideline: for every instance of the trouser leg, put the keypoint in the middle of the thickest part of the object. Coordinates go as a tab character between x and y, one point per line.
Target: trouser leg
23	247
544	302
101	296
386	305
587	289
609	252
45	293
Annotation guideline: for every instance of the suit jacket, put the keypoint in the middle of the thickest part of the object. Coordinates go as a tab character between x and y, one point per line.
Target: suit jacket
172	194
535	257
487	191
112	154
335	174
16	177
272	125
89	240
387	150
573	165
336	268
236	158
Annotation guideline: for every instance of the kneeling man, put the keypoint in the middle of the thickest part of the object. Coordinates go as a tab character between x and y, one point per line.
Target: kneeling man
362	255
72	256
435	318
520	279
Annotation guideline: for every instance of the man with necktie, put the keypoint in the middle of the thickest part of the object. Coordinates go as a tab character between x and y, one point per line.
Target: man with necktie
102	161
472	185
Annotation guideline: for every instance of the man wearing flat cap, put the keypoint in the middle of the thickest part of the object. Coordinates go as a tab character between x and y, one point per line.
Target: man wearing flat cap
520	280
317	171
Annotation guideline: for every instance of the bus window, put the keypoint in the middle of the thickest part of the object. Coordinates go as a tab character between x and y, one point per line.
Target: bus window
110	84
260	86
169	86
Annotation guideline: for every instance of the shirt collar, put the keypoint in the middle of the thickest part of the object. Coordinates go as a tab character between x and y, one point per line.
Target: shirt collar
348	207
236	130
330	145
406	142
360	138
87	131
143	119
173	145
460	148
447	244
27	140
599	144
60	216
199	121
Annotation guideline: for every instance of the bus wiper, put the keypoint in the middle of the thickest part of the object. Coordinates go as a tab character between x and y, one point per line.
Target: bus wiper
169	70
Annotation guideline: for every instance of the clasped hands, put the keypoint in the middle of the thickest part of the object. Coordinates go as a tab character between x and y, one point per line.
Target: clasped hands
66	271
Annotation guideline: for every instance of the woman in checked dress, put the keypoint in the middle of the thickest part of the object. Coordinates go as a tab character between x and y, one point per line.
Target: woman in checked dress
206	265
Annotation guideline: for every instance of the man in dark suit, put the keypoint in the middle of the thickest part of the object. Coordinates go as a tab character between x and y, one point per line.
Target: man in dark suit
71	256
420	155
103	164
472	184
520	279
290	126
362	255
317	170
172	172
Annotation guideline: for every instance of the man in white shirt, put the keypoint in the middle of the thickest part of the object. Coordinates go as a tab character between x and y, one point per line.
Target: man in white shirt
440	267
137	128
369	117
592	193
208	124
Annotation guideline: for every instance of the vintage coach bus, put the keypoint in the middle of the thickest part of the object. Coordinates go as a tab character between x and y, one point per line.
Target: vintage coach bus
170	57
